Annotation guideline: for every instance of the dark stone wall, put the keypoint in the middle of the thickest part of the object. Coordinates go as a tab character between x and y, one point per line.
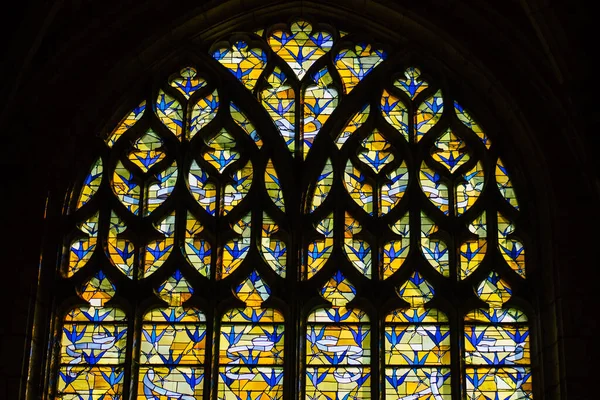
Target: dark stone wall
69	68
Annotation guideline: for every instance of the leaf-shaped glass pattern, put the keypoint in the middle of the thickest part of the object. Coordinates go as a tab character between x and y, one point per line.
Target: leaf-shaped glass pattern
395	113
81	250
170	113
157	251
240	118
377	151
173	345
274	250
235	192
187	82
354	64
396	251
393	190
469	190
434	249
222	151
300	47
464	117
428	114
120	250
450	151
510	247
279	101
93	345
319	249
338	351
356	121
319	102
472	251
91	183
358	251
126	188
126	123
147	151
203	112
434	188
202	189
161	189
411	84
196	248
273	186
323	186
251	351
417	346
246	63
360	190
236	250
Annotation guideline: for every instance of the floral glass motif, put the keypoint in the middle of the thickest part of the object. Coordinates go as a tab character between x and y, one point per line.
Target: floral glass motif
300	47
417	346
338	351
251	346
496	343
173	345
216	184
93	345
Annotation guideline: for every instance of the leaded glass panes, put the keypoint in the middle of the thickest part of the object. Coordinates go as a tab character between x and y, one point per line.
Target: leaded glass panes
291	180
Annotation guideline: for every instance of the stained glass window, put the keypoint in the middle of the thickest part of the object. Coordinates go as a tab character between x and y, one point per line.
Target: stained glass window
298	212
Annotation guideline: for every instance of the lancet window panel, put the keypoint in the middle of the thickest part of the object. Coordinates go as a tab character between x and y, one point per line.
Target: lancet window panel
278	169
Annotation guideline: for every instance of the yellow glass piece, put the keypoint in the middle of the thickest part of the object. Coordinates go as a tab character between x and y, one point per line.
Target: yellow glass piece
91	183
356	63
502	383
82	249
356	121
245	63
170	113
416	291
157	251
300	47
434	188
222	151
434	249
319	102
428	114
473	251
126	189
320	249
357	186
415	345
253	290
273	186
494	290
126	123
235	250
511	248
176	290
358	251
411	84
393	190
147	151
203	112
377	151
172	382
234	193
161	189
395	113
203	190
396	251
274	251
323	186
98	290
279	101
504	347
243	122
469	190
120	251
197	249
418	383
450	151
338	290
505	186
469	122
187	82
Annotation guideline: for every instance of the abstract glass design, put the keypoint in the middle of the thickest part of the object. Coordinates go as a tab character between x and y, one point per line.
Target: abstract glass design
203	112
338	350
396	251
170	113
472	251
91	183
274	250
358	251
320	249
377	151
197	248
243	122
505	185
273	186
157	251
417	346
279	101
121	251
126	188
319	102
81	250
357	185
160	189
428	114
469	122
235	192
126	123
251	350
202	189
393	190
244	62
450	151
469	190
221	151
236	250
354	64
323	186
496	342
395	113
147	151
434	249
187	82
93	345
510	247
411	84
355	122
434	188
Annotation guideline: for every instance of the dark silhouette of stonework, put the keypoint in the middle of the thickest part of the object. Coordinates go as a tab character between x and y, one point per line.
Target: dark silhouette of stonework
69	68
